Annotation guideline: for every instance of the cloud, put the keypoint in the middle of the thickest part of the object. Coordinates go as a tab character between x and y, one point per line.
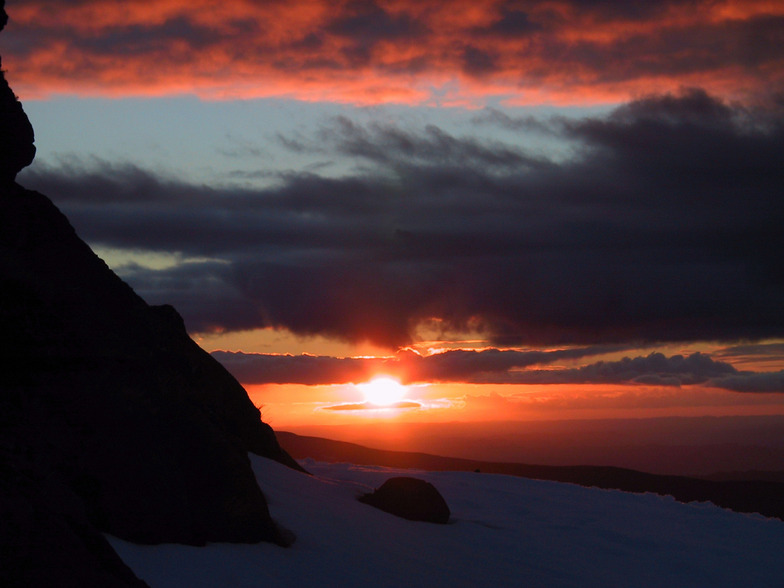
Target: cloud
665	226
652	370
400	50
389	145
752	382
449	366
494	366
259	368
753	353
766	349
370	406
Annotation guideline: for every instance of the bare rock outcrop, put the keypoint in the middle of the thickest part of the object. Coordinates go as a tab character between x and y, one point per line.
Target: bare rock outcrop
153	432
410	498
112	420
17	148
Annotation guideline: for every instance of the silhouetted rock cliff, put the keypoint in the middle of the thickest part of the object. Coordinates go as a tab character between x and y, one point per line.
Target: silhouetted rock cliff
16	133
111	418
151	430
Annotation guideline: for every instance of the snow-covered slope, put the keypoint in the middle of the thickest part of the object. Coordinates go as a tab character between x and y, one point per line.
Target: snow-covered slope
504	531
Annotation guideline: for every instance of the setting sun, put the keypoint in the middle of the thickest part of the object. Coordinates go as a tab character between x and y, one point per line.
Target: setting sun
382	391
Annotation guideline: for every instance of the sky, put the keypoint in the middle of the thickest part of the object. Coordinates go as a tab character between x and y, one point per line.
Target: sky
513	209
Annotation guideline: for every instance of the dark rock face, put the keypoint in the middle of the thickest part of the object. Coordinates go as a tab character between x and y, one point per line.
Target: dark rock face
46	538
16	133
111	418
410	498
143	424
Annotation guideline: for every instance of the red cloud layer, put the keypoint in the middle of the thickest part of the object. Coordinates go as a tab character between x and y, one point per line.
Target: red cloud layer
394	50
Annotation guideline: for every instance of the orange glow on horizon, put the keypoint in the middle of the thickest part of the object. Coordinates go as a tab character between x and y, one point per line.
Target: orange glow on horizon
291	405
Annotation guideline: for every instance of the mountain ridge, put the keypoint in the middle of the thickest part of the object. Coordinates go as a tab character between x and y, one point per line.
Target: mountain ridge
747	496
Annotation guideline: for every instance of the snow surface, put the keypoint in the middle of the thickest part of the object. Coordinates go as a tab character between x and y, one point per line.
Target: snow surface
504	531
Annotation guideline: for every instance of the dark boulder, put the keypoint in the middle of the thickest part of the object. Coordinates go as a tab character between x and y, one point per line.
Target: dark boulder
409	498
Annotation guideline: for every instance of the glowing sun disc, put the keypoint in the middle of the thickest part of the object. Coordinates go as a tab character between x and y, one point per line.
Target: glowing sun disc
382	391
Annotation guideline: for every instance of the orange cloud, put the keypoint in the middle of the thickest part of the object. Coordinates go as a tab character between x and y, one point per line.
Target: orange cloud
393	50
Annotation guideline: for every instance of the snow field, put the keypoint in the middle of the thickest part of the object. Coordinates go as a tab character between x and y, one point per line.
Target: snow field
504	531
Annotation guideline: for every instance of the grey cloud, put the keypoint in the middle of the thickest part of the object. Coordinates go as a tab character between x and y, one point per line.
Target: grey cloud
752	382
512	23
368	23
494	366
480	366
259	368
666	226
759	349
392	146
478	62
528	123
409	367
654	369
627	9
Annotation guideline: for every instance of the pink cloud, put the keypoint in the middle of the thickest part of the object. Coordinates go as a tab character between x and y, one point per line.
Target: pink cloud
394	50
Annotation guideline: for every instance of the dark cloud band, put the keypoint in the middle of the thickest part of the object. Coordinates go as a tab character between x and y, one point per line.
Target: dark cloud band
495	366
665	226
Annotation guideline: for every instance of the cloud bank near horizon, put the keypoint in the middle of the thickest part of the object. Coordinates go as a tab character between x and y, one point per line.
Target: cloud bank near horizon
410	367
664	224
406	51
494	366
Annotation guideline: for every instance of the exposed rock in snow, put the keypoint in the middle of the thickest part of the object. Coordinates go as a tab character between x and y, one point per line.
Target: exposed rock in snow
409	498
504	532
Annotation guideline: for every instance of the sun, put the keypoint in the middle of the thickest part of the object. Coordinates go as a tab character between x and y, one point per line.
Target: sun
382	391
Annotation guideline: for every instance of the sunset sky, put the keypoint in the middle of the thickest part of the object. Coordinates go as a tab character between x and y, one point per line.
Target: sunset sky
517	210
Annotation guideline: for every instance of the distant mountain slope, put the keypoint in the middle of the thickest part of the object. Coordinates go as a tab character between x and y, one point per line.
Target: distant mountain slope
752	496
672	446
747	475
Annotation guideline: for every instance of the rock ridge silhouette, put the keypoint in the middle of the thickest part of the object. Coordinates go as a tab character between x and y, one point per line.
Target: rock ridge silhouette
112	419
17	138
